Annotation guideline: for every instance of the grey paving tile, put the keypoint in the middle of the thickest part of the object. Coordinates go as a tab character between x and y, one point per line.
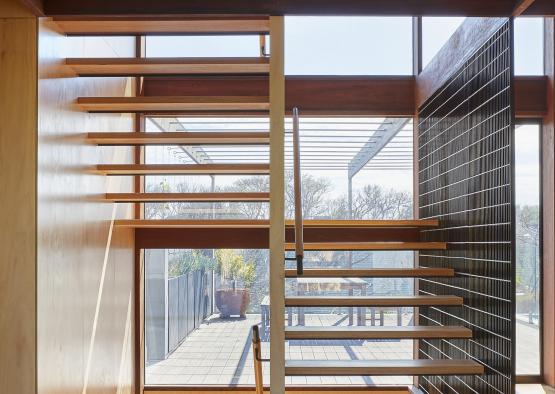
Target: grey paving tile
219	352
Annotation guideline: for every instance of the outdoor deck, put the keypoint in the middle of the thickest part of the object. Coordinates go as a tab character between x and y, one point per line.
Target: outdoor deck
219	352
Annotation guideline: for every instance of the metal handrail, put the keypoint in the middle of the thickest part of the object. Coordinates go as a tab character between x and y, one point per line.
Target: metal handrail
299	246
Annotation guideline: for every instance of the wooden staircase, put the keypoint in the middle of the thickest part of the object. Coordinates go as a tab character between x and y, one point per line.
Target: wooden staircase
376	367
277	225
140	67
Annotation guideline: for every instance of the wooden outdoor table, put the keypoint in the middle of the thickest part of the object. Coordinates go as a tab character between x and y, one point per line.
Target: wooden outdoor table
333	284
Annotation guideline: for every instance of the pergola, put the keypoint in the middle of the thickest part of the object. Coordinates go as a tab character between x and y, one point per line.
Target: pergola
350	144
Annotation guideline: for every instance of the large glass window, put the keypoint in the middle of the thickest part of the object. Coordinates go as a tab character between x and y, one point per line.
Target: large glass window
202	46
313	46
348	46
200	304
528	40
528	249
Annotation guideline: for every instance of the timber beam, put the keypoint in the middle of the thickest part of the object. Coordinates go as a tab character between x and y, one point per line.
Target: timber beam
295	7
392	96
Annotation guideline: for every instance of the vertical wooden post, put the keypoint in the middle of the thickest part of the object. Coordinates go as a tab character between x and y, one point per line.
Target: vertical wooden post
277	207
139	157
18	198
548	192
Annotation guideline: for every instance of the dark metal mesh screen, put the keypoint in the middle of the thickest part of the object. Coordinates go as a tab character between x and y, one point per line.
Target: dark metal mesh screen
465	180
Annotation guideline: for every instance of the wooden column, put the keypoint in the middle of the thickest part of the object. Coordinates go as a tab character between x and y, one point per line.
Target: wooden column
138	185
548	192
277	207
18	198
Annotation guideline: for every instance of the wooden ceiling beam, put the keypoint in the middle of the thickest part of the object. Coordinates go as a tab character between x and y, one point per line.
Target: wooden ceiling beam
258	238
315	95
284	7
337	95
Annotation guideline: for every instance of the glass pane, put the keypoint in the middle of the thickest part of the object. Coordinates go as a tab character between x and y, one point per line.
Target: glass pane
528	292
313	46
200	306
348	46
202	46
435	33
528	46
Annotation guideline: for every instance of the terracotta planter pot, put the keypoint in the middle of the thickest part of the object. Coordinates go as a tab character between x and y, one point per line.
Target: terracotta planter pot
232	302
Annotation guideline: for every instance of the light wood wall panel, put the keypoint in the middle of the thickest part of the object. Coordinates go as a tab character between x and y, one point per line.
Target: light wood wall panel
85	265
18	121
14	9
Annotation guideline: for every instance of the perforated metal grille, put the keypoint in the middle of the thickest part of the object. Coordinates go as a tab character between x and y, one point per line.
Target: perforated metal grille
465	180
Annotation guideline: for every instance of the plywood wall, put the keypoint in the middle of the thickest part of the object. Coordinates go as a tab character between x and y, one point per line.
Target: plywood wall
18	81
85	266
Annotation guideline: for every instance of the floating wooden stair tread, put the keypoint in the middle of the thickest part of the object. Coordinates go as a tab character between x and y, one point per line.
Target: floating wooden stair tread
372	332
188	223
370	246
183	169
423	223
164	26
188	197
373	301
263	223
163	66
382	367
180	138
173	103
372	273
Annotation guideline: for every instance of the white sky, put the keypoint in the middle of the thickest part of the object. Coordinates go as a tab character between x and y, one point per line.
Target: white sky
367	46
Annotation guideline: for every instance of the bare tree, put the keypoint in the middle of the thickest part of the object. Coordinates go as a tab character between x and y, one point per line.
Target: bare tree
252	184
314	192
373	202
